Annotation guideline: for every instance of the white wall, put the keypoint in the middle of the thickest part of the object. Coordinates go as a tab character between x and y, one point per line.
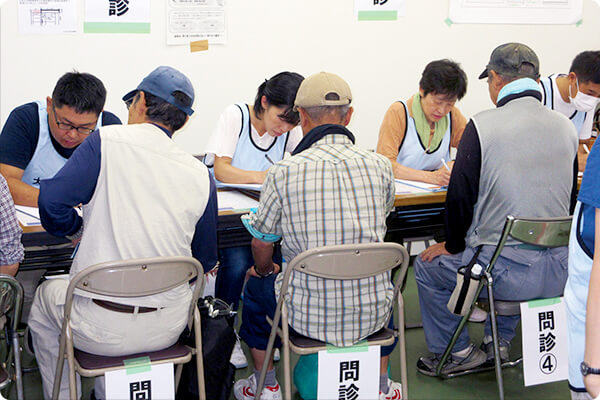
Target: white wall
382	61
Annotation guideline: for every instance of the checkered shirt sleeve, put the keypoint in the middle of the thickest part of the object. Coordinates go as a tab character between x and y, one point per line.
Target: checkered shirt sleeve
11	249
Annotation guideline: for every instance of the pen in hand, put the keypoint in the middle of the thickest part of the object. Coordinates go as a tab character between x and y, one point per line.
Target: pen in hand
445	165
269	159
586	148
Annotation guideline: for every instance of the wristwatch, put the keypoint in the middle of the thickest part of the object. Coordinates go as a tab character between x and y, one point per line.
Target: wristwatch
587	370
265	275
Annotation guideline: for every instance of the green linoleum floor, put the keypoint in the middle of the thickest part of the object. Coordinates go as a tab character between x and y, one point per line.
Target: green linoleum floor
477	386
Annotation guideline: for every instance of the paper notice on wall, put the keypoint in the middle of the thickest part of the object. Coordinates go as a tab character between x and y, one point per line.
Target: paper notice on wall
47	17
193	20
379	10
117	16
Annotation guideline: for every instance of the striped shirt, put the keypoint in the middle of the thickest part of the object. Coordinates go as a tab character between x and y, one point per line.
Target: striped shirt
332	193
11	249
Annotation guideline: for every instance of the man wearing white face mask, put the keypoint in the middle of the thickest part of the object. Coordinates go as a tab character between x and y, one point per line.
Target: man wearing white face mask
575	95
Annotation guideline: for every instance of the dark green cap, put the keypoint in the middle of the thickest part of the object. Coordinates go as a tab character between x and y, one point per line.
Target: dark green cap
510	58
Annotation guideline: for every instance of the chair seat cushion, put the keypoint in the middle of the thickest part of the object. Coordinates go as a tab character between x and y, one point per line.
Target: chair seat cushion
307	343
94	361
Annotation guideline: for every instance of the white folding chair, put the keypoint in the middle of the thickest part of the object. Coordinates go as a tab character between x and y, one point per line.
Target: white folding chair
341	262
132	278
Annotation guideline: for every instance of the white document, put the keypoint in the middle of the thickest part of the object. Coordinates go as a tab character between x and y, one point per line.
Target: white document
28	216
403	188
381	5
545	348
349	372
47	17
406	186
192	20
153	382
516	11
234	200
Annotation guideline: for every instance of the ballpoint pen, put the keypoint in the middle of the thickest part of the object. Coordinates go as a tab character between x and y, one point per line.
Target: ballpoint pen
586	148
269	159
445	165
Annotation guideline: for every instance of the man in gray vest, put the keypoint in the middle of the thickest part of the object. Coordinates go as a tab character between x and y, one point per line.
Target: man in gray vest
520	159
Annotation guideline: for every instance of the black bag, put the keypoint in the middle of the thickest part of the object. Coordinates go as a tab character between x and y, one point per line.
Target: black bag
218	339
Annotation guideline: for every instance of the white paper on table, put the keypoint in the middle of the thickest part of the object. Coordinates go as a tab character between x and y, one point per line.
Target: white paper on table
28	216
234	200
407	186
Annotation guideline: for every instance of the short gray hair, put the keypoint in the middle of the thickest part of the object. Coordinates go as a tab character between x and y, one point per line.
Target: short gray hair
320	112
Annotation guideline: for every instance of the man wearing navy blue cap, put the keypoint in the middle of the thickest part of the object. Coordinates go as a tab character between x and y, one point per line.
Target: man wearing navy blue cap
142	196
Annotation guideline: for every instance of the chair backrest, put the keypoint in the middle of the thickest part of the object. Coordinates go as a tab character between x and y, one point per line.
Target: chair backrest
137	277
349	261
542	232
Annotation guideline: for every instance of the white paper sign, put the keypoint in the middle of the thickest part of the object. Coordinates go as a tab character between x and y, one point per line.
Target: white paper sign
192	20
156	383
349	373
117	16
380	5
544	331
47	17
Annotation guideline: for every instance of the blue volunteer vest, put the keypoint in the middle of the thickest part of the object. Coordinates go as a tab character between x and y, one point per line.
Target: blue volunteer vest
46	161
412	152
577	118
248	156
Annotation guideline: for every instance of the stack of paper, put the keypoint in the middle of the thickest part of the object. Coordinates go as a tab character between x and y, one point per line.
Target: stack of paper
404	186
234	200
28	216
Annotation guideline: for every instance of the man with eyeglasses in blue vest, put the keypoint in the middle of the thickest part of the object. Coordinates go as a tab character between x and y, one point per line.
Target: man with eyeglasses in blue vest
39	137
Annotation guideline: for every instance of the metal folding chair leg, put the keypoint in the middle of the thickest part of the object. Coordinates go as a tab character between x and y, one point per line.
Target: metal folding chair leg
497	360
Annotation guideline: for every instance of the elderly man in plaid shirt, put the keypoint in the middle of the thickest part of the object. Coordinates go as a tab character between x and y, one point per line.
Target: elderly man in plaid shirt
330	192
11	249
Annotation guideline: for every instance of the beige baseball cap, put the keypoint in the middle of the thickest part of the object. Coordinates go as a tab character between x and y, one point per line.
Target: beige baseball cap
323	89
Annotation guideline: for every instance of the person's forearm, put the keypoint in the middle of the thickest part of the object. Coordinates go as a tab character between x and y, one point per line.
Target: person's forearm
263	256
592	318
9	269
404	172
22	193
227	173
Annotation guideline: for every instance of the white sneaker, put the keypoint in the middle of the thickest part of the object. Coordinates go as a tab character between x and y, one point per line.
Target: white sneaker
238	358
276	355
478	315
394	392
245	389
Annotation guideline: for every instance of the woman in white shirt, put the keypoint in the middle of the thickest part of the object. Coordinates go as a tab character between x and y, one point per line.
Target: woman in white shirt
248	139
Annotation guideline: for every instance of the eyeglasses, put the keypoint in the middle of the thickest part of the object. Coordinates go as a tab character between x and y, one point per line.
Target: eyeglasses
63	126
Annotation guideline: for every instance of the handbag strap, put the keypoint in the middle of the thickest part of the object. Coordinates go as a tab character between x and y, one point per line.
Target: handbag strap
467	278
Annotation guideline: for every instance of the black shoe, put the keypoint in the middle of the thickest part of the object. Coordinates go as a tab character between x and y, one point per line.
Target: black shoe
428	365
